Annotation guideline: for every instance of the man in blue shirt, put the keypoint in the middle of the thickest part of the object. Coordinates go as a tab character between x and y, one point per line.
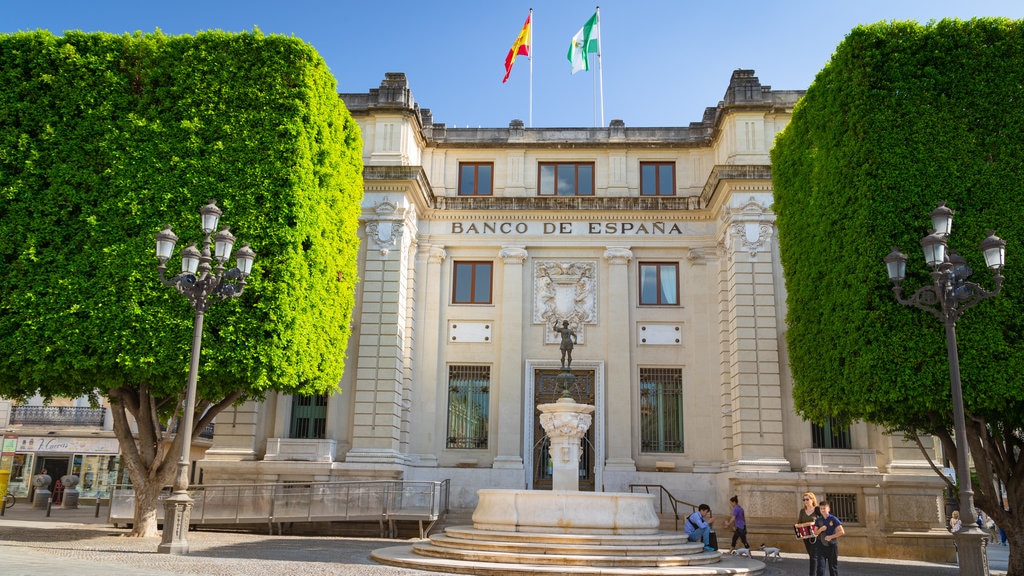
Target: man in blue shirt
828	528
698	526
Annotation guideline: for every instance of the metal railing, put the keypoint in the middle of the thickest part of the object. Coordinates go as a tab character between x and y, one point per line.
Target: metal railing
383	501
57	416
663	496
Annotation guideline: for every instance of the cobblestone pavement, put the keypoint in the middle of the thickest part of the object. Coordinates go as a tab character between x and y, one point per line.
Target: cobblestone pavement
75	542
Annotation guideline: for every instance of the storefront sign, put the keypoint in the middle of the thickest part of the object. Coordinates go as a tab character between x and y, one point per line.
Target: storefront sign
75	445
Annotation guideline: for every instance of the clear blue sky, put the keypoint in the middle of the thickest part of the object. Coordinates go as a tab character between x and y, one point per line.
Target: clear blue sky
664	61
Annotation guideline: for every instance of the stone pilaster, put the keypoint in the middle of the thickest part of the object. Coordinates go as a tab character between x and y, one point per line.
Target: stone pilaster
380	381
753	387
618	405
510	378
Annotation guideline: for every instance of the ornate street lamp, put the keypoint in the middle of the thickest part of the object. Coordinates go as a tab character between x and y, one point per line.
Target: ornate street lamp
949	295
202	285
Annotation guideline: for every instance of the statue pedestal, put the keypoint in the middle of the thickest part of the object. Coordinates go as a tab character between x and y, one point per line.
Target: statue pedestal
565	422
41	498
70	500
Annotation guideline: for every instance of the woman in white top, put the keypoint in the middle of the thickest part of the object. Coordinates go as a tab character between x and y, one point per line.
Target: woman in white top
954	522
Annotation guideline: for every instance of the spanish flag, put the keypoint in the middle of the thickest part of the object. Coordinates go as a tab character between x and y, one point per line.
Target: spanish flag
520	46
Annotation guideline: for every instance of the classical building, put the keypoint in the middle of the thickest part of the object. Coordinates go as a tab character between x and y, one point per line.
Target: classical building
658	246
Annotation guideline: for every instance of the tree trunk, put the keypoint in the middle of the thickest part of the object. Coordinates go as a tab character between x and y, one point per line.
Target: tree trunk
1015	538
146	499
148	454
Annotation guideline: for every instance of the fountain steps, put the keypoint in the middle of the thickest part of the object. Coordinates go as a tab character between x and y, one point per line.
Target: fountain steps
655	539
542	553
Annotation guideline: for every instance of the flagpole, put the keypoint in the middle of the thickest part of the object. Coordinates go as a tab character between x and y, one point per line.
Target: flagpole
531	67
600	68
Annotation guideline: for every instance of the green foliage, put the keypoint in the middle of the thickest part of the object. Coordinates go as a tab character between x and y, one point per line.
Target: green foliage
104	139
903	116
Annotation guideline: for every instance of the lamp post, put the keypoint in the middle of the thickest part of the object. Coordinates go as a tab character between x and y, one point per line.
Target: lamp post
202	285
949	295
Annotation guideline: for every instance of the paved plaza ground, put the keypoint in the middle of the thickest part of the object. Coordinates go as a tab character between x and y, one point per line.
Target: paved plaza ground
76	542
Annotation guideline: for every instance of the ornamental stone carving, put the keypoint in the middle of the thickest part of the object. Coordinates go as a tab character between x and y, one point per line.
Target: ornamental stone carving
385	228
565	290
572	425
751	228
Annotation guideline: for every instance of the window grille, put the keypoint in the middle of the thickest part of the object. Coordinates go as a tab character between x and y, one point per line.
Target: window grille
309	417
468	406
661	410
843	506
830	435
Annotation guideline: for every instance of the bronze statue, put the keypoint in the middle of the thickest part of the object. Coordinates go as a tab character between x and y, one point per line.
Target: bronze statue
568	341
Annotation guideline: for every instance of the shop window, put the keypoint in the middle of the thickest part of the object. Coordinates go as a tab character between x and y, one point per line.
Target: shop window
661	410
472	283
475	179
566	179
657	179
659	284
830	435
309	417
468	406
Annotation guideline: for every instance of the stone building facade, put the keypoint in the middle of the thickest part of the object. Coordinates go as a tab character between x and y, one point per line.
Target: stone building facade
658	246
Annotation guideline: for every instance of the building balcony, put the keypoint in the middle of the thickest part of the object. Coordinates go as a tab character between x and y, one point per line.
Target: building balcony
57	416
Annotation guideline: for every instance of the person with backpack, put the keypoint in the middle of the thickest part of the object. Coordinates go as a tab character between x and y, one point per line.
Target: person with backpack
698	526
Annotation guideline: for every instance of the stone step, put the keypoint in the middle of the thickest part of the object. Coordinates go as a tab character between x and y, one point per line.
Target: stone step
656	539
556	559
542	546
405	557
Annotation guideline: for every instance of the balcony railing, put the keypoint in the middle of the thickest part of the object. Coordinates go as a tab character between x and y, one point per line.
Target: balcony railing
57	416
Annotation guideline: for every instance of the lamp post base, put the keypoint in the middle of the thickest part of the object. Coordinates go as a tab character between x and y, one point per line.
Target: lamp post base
972	553
177	514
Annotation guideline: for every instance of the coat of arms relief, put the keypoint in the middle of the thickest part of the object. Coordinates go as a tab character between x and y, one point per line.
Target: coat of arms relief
565	290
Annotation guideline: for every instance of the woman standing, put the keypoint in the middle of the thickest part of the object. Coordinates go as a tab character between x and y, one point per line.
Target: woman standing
809	513
954	522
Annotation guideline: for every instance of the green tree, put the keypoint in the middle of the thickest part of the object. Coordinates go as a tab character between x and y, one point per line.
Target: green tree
905	116
104	140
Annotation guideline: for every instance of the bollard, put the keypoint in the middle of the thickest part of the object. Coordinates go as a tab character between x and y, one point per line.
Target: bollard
49	504
97	515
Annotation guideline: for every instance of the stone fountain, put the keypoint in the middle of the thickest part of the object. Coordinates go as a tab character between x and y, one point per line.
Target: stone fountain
544	531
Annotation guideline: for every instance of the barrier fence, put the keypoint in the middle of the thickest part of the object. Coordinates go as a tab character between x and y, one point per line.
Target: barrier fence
383	501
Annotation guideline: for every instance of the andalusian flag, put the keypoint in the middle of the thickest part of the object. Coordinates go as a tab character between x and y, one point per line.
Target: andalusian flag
520	46
585	43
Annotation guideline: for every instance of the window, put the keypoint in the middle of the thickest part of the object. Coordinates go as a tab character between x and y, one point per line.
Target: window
843	506
830	435
472	283
468	406
661	410
659	284
475	179
566	179
657	179
309	416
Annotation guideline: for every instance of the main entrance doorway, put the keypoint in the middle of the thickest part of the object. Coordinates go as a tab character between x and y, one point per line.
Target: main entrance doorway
547	391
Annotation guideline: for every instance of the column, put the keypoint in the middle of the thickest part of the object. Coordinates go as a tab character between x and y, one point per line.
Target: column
427	426
618	384
510	372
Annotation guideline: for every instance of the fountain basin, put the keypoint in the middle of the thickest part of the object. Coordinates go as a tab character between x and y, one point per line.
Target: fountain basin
565	511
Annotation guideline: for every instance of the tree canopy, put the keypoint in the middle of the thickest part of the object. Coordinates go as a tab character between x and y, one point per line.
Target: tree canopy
903	117
104	139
